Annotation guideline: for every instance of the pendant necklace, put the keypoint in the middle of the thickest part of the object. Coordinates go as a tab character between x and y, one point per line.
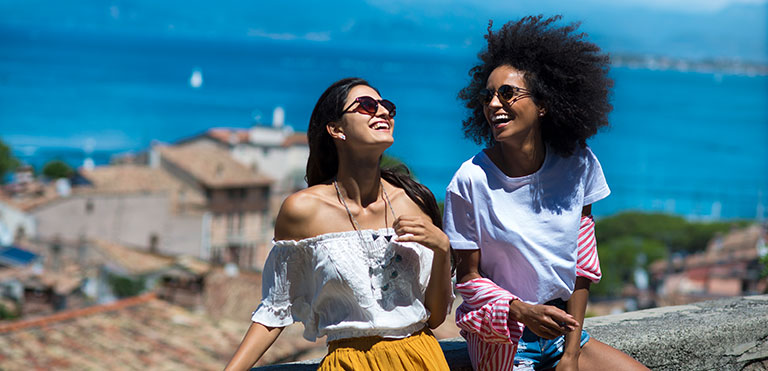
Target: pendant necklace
356	225
376	263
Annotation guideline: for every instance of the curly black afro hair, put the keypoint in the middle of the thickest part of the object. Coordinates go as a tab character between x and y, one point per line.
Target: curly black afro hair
567	75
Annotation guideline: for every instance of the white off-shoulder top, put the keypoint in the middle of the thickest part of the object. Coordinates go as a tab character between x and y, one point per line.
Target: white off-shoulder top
342	287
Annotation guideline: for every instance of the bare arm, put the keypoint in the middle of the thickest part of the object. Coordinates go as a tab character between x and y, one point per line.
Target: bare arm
256	341
577	307
467	265
438	293
259	337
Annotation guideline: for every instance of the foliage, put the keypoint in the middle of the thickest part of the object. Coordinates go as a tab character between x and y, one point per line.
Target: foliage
620	257
632	240
764	264
7	161
388	162
6	314
125	287
57	169
674	232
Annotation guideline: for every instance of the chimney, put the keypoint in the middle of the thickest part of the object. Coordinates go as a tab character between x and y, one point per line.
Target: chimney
56	254
278	117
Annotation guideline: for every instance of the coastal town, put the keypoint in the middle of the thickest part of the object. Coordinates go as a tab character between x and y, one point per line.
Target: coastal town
163	249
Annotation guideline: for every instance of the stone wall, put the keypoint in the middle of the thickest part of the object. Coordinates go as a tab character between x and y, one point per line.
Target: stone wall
726	334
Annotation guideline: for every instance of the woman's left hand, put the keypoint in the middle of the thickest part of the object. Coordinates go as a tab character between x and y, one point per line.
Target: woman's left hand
417	228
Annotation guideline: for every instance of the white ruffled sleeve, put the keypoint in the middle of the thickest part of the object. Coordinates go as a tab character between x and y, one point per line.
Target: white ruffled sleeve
286	285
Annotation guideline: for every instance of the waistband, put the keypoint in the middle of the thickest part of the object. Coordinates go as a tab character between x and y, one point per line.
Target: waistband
367	342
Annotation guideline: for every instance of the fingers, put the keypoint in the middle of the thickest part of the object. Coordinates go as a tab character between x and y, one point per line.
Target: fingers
565	320
420	229
550	322
415	225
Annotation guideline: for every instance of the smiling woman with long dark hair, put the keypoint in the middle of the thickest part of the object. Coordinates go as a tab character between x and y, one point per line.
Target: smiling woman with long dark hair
359	256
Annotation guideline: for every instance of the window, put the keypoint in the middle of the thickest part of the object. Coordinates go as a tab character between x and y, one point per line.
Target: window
236	193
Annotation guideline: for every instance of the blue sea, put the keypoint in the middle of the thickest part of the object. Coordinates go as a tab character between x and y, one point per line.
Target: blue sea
688	143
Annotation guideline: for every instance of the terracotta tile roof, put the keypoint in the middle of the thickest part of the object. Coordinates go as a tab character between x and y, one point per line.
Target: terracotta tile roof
296	139
226	135
131	334
132	261
232	297
29	201
62	282
212	167
237	135
739	239
130	178
126	178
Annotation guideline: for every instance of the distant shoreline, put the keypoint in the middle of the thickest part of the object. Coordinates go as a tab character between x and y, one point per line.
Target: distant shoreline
715	66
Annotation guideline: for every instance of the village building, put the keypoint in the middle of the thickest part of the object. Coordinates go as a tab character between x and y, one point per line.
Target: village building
730	266
188	200
273	150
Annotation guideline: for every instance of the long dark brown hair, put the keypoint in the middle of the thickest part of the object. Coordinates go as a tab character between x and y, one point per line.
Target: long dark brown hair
323	162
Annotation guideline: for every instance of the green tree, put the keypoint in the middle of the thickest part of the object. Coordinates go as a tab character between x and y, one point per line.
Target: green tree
619	257
124	287
632	240
389	162
7	161
57	169
674	232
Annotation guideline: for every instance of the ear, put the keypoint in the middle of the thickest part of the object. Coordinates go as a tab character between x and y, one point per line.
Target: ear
542	111
335	131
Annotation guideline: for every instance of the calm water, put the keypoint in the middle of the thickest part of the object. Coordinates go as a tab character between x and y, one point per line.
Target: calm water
689	143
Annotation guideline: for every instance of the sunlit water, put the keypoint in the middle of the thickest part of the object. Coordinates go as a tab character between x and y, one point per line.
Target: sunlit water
690	143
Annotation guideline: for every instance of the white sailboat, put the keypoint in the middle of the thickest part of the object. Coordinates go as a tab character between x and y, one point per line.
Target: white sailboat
196	79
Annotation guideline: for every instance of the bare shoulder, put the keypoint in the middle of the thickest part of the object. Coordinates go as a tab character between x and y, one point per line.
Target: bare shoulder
401	203
298	213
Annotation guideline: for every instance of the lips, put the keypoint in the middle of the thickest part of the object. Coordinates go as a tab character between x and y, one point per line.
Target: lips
501	119
380	125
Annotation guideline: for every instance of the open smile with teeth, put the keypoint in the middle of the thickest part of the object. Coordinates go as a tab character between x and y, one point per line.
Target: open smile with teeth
501	119
380	125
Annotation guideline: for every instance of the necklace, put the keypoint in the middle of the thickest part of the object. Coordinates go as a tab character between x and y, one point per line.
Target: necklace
376	262
355	224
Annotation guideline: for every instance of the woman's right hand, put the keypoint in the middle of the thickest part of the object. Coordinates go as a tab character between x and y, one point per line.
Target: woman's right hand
544	320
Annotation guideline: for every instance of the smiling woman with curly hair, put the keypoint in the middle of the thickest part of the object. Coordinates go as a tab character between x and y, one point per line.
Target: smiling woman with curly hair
518	213
565	75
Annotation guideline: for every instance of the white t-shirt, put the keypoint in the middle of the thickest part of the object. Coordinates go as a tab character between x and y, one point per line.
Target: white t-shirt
340	286
526	227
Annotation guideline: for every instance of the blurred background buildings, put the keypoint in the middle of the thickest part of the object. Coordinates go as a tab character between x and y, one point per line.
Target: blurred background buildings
141	176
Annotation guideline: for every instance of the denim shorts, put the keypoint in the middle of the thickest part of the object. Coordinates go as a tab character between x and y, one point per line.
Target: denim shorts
537	353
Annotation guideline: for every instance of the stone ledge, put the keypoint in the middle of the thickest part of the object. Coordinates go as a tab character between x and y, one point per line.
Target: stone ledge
726	334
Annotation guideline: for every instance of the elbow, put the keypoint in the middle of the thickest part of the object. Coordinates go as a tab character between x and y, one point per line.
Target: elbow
435	321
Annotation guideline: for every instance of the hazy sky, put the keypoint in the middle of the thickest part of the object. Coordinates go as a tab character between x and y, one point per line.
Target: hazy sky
693	29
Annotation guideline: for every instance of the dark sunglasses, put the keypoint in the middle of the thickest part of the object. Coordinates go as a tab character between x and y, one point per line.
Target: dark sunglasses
371	106
508	93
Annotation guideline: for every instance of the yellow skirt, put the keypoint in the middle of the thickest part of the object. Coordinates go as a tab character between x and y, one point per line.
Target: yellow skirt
419	351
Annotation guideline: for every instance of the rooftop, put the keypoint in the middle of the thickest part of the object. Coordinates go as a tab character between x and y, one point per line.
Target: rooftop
214	168
136	333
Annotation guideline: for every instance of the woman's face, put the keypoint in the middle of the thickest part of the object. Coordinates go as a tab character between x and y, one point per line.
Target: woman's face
514	119
360	126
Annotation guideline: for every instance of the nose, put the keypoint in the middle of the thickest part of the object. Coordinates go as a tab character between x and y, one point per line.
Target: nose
495	101
382	111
